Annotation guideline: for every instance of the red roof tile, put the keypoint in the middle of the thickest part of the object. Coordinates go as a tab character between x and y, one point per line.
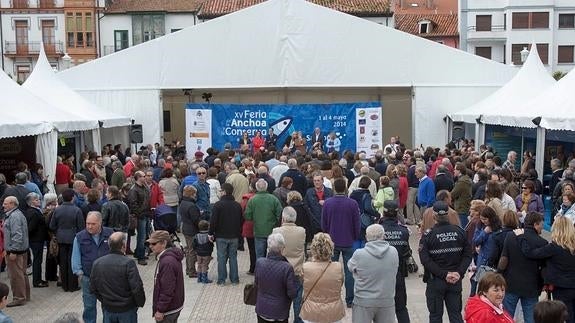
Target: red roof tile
442	24
123	6
216	8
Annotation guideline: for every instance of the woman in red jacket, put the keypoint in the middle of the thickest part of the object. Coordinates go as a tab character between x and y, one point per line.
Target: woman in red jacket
258	142
487	304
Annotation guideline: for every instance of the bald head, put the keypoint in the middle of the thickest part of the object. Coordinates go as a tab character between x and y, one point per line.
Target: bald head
117	242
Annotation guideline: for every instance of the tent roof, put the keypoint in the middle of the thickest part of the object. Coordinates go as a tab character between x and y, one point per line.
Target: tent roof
44	83
17	101
286	43
503	106
555	106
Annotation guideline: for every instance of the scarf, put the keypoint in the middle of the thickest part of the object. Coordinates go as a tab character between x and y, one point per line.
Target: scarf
565	208
525	198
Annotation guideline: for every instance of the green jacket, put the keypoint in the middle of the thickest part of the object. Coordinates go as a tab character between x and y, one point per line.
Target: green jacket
265	210
461	194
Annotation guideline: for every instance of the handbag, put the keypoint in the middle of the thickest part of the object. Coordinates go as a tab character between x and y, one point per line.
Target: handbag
365	218
53	248
250	294
313	286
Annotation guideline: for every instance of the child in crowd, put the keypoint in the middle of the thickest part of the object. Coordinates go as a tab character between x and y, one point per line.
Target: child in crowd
204	248
385	193
4	291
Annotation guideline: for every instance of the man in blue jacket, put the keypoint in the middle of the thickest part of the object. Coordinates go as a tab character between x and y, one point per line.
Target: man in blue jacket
426	189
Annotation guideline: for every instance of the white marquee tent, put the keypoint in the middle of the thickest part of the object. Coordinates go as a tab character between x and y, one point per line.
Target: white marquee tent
24	114
290	44
44	83
503	106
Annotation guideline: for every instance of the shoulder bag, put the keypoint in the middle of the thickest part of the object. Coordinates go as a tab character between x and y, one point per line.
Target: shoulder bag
313	286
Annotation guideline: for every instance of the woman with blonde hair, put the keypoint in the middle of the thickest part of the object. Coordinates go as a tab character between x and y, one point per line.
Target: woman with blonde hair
560	261
322	284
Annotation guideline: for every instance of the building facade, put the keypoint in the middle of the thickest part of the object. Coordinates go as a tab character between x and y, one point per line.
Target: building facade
499	30
63	26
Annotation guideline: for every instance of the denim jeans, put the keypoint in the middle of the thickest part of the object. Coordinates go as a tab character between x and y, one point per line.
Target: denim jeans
261	247
227	250
346	253
130	316
89	299
143	228
527	304
297	301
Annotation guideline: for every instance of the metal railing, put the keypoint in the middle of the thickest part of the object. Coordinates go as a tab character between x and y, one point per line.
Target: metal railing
493	28
32	48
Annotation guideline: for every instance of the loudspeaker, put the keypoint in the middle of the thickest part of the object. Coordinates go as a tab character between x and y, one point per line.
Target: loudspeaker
458	131
136	134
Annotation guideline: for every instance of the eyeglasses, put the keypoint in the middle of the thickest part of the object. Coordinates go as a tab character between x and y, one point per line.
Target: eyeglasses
524	187
201	173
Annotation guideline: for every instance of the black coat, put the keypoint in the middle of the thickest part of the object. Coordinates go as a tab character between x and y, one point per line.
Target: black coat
227	218
37	227
116	282
303	219
190	216
560	263
443	182
66	221
523	275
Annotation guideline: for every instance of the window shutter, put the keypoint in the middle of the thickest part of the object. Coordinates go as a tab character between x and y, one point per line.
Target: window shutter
565	54
540	20
483	23
520	20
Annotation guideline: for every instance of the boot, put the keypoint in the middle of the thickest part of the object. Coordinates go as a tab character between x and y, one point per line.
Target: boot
200	277
205	279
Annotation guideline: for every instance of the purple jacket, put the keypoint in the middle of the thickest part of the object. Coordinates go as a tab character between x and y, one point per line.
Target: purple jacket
340	218
169	282
535	204
277	287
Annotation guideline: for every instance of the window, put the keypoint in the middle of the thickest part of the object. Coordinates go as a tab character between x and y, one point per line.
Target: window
22	73
542	49
21	37
520	20
120	40
147	27
424	26
540	20
46	4
48	36
530	20
565	54
19	4
567	20
79	29
483	52
483	23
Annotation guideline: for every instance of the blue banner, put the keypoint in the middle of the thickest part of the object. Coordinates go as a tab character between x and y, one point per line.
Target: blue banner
229	121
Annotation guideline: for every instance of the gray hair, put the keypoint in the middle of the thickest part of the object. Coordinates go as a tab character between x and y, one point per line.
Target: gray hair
262	170
289	214
31	197
556	162
292	163
97	214
261	185
511	153
276	242
50	198
374	232
364	170
70	317
21	178
421	168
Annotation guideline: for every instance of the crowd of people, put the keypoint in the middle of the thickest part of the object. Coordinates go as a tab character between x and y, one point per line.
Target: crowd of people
299	205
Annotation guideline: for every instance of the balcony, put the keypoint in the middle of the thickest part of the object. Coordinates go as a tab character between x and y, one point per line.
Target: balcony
32	49
496	33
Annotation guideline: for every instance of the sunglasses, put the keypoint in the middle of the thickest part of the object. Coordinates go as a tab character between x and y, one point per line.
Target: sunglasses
153	243
524	187
201	173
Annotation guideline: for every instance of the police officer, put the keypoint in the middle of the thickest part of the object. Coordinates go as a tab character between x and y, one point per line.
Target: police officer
398	236
445	255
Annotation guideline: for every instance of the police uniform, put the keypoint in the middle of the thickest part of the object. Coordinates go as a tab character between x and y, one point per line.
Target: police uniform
398	236
444	249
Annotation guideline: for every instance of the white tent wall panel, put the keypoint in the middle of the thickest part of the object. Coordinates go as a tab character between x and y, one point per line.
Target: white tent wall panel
143	106
433	103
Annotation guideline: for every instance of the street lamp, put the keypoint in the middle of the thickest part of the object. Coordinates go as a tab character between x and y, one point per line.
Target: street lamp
524	54
67	61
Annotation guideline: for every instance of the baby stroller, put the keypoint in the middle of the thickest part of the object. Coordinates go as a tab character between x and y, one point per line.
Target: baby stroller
166	219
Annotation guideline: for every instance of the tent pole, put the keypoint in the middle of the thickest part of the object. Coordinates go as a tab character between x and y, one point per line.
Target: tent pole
540	152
